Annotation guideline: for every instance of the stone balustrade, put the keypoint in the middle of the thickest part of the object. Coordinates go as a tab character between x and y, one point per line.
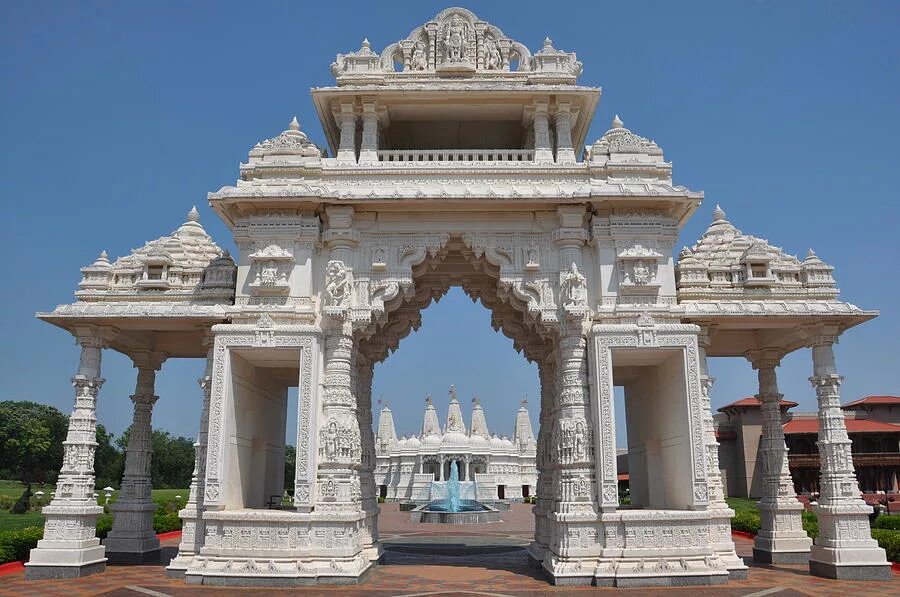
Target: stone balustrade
456	155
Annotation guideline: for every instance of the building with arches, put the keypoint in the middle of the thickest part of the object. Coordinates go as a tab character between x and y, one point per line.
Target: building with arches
461	159
497	467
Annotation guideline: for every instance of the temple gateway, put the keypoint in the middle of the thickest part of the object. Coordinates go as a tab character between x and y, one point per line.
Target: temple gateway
458	161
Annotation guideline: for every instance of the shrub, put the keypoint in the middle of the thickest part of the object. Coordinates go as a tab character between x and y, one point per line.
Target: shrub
746	521
810	523
104	525
15	545
888	540
166	522
380	500
887	522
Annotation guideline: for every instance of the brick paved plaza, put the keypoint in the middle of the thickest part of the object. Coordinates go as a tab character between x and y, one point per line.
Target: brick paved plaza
430	559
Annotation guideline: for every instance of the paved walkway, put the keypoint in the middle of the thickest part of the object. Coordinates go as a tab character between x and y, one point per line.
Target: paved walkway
458	560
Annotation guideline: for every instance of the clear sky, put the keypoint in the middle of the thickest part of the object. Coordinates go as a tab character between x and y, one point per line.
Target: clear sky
117	117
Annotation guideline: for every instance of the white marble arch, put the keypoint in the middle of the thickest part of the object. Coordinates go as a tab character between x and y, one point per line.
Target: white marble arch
568	243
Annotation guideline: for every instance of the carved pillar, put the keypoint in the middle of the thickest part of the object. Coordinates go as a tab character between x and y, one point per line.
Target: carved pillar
713	473
565	153
543	490
368	149
132	539
364	373
543	149
70	547
844	547
717	506
781	538
193	529
347	120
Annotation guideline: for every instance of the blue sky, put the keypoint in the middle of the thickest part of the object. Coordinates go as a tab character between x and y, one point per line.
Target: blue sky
117	117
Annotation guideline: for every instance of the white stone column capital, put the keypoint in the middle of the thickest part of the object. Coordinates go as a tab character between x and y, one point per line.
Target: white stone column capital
765	358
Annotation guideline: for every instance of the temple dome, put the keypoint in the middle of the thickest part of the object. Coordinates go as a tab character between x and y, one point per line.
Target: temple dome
478	442
455	439
432	441
413	443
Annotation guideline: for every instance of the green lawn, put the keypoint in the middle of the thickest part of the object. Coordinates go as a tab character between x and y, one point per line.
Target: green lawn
739	504
11	490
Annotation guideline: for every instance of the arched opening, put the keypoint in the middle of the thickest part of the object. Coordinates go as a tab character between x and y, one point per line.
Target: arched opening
493	448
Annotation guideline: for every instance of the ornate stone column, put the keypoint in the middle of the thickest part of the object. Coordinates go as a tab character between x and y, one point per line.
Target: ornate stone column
543	491
132	539
193	529
70	548
543	149
368	149
347	120
716	491
844	547
781	538
565	153
364	373
713	473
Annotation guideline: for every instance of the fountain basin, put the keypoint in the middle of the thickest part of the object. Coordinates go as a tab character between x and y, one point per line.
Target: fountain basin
469	512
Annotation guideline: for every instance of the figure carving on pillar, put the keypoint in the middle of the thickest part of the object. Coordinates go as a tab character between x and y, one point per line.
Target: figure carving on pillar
337	284
574	287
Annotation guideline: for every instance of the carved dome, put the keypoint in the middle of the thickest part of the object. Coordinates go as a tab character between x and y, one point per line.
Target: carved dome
726	263
183	266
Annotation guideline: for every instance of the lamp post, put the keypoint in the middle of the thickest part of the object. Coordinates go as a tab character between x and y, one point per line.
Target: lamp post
109	491
40	497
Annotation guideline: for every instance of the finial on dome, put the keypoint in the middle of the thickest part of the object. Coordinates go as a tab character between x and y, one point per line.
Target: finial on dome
428	400
718	214
476	400
452	392
810	254
294	125
193	215
548	43
102	260
365	43
617	122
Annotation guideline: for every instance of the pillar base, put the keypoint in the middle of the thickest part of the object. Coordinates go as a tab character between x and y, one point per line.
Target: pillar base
850	571
62	562
764	556
133	558
63	572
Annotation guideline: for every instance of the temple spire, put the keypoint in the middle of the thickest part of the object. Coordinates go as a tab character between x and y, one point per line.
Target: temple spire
479	422
455	421
387	434
523	434
431	425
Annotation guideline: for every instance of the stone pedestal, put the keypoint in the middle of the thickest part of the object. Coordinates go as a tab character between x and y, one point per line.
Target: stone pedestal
70	548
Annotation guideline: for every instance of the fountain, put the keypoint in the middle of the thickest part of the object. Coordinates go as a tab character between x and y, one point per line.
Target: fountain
452	509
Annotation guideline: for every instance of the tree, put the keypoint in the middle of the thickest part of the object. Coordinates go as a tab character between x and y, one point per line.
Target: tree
173	461
109	463
31	438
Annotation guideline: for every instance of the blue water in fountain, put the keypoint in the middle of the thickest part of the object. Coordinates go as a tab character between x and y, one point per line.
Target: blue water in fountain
453	488
453	502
